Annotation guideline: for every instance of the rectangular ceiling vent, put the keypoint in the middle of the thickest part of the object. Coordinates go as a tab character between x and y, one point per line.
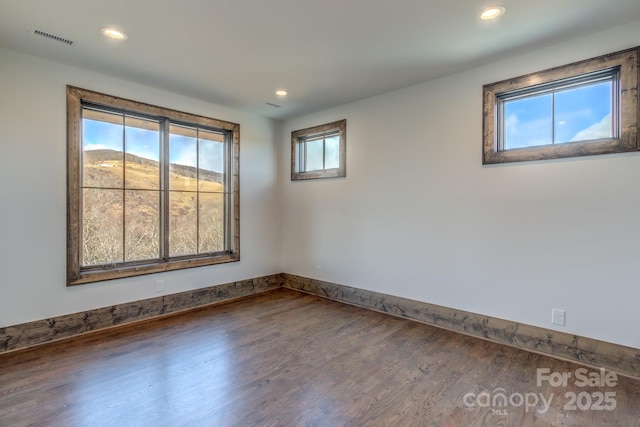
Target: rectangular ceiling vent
271	105
53	37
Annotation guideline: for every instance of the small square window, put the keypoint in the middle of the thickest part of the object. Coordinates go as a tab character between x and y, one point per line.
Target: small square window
589	107
319	151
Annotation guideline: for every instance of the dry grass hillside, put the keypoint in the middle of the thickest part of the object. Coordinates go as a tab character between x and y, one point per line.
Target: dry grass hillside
121	216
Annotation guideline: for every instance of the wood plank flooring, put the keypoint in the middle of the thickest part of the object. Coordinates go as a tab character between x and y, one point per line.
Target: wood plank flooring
285	358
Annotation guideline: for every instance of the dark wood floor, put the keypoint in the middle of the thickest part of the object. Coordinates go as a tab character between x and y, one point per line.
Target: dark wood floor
285	359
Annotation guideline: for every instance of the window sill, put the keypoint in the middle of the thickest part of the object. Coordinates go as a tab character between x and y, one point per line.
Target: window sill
102	274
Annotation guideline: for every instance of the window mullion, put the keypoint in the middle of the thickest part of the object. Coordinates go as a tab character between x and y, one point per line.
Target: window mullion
164	188
553	117
228	194
324	152
198	190
503	129
124	186
613	108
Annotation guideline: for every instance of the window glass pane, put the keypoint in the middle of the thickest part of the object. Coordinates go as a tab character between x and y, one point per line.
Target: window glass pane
183	158
211	222
528	121
102	149
142	141
211	161
583	113
332	152
101	226
314	155
183	223
142	225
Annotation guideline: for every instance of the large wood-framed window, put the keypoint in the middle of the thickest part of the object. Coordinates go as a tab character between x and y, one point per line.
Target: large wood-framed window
149	189
585	108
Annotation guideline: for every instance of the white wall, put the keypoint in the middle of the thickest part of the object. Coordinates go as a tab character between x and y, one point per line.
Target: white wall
33	194
418	216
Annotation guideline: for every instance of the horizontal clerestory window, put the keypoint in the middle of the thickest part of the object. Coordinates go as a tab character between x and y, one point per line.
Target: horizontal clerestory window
585	108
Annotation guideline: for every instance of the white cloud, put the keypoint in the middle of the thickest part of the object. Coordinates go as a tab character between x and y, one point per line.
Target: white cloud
89	147
184	152
527	133
599	130
512	122
184	157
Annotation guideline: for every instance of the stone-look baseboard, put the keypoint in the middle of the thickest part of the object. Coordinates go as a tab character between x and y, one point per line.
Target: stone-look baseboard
42	331
587	351
599	354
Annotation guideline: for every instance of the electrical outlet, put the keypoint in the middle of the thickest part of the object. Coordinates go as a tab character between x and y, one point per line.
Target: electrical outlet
557	316
159	285
319	271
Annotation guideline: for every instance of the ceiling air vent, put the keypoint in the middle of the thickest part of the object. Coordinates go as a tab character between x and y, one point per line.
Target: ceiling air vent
53	37
271	105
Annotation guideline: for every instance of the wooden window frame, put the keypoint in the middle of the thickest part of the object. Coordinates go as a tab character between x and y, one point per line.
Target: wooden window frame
625	61
76	274
338	127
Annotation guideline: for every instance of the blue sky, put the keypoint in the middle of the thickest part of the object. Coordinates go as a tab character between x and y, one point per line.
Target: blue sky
581	113
145	143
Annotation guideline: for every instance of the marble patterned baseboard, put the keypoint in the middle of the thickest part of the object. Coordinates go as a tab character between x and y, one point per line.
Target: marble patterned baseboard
42	331
587	351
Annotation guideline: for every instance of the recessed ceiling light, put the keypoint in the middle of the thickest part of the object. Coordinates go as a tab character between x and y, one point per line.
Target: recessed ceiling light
281	92
492	12
113	33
